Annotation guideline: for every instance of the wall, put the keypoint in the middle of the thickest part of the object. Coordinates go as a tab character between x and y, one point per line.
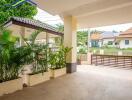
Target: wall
95	43
105	41
122	43
83	57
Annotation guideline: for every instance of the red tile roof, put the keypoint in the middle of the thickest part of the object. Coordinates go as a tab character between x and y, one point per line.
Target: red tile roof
129	31
95	36
126	34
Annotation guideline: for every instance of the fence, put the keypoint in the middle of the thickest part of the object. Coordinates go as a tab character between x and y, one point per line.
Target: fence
112	60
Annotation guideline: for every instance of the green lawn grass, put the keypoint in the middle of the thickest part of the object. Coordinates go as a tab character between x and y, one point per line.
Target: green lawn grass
112	51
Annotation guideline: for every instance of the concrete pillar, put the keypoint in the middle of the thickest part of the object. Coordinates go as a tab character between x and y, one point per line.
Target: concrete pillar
70	28
101	51
47	50
47	38
120	53
89	45
89	55
22	33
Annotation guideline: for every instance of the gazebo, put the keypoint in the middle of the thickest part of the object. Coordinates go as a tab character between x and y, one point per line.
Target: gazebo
25	27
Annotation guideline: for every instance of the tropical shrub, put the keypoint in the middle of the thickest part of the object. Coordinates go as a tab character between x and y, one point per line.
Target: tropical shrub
10	57
39	59
37	55
57	59
13	58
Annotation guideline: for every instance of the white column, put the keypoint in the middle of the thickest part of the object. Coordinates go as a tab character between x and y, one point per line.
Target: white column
70	28
89	45
89	41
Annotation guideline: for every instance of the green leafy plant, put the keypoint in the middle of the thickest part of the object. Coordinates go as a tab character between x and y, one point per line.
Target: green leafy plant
57	59
37	55
11	58
82	50
25	10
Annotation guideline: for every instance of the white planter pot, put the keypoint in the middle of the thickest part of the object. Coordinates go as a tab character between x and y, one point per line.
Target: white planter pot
57	72
11	86
31	80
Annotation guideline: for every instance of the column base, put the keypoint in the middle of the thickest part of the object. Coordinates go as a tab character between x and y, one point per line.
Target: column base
71	67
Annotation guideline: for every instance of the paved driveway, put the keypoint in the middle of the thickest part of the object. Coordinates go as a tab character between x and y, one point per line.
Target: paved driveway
89	83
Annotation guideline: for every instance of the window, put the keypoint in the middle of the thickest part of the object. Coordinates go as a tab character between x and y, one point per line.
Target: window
110	42
126	42
116	43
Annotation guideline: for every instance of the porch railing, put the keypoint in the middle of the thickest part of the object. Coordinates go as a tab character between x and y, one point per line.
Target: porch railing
112	60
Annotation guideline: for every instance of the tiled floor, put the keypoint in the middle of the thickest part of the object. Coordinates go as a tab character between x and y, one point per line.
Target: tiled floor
88	83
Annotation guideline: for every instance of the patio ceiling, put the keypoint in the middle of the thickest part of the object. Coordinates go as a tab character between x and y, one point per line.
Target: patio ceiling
90	13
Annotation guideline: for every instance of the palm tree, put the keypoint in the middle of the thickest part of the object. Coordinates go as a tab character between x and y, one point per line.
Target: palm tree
38	53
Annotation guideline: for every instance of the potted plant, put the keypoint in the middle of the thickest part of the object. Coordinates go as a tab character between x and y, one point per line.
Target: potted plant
38	59
10	64
57	61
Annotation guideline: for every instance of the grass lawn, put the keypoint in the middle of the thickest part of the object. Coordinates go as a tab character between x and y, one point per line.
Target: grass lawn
112	51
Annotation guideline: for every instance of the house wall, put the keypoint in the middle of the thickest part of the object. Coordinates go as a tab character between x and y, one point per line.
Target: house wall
123	45
95	43
105	42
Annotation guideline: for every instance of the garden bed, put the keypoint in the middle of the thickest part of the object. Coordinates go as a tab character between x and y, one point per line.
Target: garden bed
31	80
11	86
57	72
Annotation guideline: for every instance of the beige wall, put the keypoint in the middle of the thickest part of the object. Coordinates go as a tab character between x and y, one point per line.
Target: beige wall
31	80
57	72
11	86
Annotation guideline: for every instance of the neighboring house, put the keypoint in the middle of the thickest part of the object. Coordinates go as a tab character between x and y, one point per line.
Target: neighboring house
108	38
95	40
125	39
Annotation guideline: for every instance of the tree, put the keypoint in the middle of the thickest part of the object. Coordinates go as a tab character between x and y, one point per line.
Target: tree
25	10
82	38
59	27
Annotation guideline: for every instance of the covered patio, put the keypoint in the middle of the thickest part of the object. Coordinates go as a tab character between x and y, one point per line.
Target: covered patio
88	83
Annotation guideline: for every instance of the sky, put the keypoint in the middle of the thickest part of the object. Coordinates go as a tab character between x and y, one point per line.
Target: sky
53	20
47	18
118	28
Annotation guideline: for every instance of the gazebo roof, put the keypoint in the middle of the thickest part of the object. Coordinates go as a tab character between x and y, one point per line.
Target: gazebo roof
31	23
